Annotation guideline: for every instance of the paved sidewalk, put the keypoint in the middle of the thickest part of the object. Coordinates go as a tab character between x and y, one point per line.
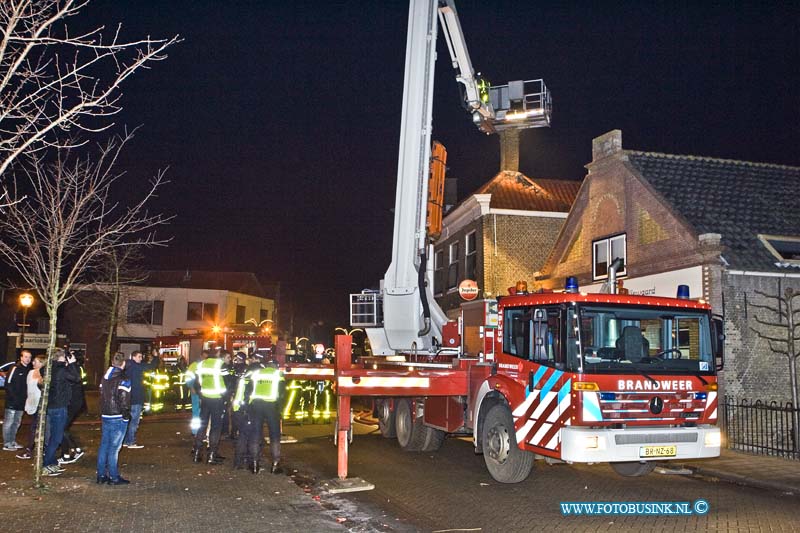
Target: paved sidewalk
758	471
170	493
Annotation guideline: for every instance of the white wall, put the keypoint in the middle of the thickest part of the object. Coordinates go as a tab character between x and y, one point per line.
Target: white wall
176	302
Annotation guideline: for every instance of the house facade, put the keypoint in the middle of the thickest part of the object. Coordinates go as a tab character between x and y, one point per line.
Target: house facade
728	229
499	235
193	305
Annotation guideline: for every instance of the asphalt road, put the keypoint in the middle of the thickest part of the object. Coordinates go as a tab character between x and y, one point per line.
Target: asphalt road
450	490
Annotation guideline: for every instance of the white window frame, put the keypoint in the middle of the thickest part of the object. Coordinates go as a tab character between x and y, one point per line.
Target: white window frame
452	250
765	240
438	272
470	252
599	243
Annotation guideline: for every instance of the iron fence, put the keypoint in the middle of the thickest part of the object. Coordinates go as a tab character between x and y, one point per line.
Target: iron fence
761	428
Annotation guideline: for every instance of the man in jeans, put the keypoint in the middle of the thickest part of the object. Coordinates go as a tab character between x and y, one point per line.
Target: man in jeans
64	374
115	408
135	369
16	393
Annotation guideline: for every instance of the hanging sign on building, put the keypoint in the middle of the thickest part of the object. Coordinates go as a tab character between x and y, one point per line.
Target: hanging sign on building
468	289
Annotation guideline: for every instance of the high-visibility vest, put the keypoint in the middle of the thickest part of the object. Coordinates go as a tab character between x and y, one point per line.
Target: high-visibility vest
210	373
266	383
191	374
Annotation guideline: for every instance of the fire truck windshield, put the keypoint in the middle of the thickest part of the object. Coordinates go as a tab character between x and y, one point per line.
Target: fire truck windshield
629	339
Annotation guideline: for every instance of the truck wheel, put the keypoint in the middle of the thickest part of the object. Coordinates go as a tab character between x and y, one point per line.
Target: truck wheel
410	431
386	419
504	460
634	468
433	439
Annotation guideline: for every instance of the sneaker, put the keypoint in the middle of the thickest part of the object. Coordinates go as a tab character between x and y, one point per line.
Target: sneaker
77	454
9	448
135	446
65	459
17	446
51	471
24	455
119	481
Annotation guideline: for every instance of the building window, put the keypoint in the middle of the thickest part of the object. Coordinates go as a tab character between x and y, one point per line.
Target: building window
201	311
263	315
438	273
471	253
240	312
146	312
210	312
604	252
786	249
194	311
452	269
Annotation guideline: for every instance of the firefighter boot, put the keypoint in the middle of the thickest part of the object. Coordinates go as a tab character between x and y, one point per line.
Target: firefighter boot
214	458
255	467
197	455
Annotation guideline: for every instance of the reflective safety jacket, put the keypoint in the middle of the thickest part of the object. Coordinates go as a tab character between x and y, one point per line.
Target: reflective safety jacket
264	383
191	375
211	377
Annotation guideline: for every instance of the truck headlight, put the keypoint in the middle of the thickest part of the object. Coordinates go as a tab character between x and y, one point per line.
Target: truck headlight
713	439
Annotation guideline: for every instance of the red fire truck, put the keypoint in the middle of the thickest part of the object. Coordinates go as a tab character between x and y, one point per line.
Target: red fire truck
573	377
564	376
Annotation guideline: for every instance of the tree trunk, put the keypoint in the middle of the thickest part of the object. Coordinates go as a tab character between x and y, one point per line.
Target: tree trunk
112	326
52	311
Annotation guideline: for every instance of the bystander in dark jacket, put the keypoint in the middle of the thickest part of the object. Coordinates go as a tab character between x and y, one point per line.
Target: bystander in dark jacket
64	372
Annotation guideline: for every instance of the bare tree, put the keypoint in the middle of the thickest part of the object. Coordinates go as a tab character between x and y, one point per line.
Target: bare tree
788	344
53	80
115	283
65	225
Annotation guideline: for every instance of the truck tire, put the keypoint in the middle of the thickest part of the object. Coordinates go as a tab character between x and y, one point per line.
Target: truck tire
634	468
433	439
410	430
504	460
386	418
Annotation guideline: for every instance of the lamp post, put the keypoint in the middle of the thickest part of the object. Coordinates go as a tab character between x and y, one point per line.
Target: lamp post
25	300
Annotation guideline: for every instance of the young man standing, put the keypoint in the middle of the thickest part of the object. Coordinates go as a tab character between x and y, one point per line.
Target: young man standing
115	408
16	393
135	369
64	374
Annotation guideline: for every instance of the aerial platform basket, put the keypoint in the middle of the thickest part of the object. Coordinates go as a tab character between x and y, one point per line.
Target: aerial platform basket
366	309
520	105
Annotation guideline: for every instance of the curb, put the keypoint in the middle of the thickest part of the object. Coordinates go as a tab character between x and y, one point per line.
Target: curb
738	479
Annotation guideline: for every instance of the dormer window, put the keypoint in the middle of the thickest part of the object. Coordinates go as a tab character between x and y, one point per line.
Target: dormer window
786	249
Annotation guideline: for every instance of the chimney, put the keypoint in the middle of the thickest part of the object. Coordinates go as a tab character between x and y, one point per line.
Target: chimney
509	149
607	144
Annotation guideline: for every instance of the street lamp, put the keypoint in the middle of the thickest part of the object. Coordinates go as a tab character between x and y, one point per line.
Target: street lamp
25	300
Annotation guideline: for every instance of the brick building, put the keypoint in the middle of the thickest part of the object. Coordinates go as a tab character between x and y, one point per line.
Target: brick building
728	229
500	234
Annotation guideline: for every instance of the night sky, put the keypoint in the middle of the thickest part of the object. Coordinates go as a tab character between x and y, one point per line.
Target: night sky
279	121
